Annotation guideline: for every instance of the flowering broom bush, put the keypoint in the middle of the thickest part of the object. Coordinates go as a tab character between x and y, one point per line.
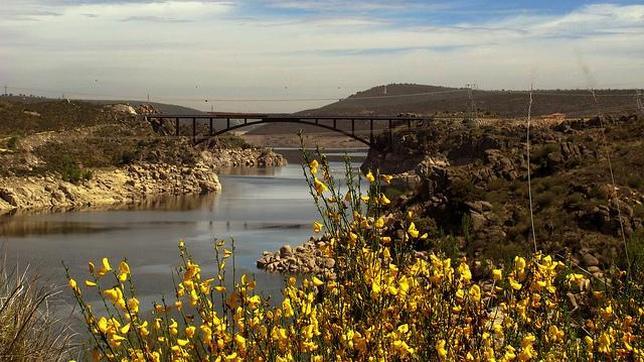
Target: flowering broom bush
384	301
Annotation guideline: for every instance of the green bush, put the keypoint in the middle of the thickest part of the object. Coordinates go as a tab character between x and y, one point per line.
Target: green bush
72	172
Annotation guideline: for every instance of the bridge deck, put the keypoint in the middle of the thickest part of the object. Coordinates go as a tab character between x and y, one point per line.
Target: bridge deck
248	119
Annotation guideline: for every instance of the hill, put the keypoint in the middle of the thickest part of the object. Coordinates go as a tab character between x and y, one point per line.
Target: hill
445	102
25	115
430	100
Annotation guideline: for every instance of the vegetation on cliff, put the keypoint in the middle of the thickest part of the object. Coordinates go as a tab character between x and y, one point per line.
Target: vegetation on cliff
468	184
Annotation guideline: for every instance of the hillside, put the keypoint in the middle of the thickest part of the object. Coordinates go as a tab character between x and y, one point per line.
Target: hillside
25	115
444	102
433	100
469	184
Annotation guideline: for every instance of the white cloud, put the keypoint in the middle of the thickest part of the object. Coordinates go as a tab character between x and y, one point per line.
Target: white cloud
186	50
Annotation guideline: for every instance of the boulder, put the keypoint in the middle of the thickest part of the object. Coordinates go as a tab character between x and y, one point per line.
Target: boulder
286	251
589	260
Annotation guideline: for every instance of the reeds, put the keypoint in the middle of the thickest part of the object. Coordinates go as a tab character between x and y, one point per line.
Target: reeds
29	330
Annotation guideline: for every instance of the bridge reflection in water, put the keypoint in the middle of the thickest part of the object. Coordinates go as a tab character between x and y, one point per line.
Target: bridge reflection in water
205	126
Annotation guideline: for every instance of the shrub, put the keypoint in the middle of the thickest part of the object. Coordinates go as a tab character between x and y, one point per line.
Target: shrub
72	172
232	141
13	143
635	181
545	199
382	301
28	329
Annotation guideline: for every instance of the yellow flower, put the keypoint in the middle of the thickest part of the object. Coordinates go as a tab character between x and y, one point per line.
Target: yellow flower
105	268
514	284
124	271
519	264
386	178
384	200
555	334
370	177
317	282
464	272
254	301
102	325
133	305
241	341
317	227
125	328
90	283
475	293
313	165
497	274
605	342
412	231
440	349
72	284
190	331
380	223
287	308
320	187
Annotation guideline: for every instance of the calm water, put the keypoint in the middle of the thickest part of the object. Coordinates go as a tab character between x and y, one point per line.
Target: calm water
262	209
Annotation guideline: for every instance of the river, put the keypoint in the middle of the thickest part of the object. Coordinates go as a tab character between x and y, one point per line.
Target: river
260	208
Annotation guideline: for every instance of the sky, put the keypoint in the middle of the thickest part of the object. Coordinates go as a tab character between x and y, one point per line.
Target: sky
288	55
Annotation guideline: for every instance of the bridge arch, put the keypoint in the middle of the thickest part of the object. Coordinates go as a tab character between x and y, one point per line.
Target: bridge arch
296	121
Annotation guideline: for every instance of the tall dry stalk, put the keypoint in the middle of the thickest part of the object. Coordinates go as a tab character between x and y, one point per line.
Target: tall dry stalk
29	331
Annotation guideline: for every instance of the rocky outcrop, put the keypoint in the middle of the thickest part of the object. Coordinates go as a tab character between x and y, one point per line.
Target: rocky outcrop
247	157
129	185
307	258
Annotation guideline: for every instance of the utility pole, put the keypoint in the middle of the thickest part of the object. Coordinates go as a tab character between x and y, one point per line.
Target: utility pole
6	93
638	101
470	88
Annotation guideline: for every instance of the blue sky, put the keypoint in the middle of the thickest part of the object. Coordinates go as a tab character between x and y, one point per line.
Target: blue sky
187	51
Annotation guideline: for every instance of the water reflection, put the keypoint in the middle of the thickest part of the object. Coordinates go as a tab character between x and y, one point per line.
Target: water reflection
40	223
261	209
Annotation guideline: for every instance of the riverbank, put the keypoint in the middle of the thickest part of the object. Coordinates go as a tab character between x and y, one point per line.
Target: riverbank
131	184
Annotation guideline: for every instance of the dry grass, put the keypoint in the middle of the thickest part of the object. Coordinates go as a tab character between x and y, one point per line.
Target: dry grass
29	331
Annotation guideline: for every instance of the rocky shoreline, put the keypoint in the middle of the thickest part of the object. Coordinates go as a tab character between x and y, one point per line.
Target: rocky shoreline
127	185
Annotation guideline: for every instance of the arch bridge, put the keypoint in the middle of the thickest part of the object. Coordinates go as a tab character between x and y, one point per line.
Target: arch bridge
360	128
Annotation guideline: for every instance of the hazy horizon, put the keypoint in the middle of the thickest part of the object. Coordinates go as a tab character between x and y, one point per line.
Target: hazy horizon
187	52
